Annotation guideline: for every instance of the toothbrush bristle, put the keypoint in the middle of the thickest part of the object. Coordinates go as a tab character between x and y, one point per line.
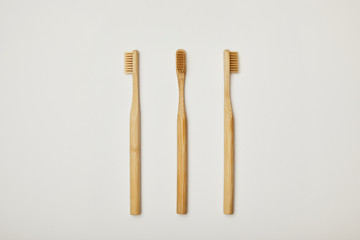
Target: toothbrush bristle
128	62
181	60
234	62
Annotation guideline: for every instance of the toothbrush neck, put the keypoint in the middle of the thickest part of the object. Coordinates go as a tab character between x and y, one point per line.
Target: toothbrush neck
227	87
135	87
181	79
181	90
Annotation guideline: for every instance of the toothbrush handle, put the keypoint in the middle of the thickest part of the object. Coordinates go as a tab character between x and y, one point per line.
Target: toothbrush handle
228	162
135	202
182	182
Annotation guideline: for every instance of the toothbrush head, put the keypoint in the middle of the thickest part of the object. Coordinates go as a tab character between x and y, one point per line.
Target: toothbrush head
234	62
181	61
129	62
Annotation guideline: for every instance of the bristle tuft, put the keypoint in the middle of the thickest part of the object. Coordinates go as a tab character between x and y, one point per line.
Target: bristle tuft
128	62
234	62
181	60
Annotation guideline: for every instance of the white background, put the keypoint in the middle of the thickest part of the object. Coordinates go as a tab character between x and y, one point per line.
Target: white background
65	104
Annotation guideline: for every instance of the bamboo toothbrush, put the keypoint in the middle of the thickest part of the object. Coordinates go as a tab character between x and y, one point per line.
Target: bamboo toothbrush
181	135
230	66
132	67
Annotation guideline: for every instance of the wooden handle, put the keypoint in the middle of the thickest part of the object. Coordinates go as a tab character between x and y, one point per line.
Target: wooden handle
228	142
229	166
181	151
135	179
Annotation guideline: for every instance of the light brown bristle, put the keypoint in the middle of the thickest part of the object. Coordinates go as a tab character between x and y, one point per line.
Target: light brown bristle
128	62
181	60
234	62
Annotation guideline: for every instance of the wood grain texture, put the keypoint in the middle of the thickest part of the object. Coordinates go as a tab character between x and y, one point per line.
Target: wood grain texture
182	164
135	170
228	141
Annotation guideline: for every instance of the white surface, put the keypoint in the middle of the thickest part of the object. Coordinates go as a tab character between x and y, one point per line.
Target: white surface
64	119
